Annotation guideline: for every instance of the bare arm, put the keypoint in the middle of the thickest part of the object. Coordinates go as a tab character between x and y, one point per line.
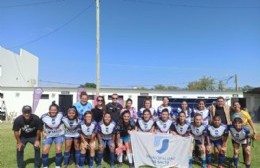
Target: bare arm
18	140
252	126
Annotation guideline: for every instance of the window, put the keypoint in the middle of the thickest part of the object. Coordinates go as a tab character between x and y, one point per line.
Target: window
91	97
45	96
160	98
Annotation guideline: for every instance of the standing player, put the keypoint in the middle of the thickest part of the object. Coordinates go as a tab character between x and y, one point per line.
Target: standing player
106	137
182	128
199	132
29	126
88	129
148	105
164	105
217	135
163	125
187	111
201	109
132	110
240	135
83	105
71	124
53	131
124	128
146	123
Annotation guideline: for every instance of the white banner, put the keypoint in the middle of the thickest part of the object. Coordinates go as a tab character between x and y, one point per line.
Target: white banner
160	150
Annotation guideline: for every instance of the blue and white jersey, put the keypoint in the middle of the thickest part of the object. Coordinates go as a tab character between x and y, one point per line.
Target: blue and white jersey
205	115
71	127
153	112
239	136
82	108
106	131
181	129
143	126
161	108
163	127
88	130
217	133
53	125
199	132
188	113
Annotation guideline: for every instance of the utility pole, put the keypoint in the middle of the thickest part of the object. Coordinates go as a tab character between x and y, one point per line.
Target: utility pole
236	81
97	46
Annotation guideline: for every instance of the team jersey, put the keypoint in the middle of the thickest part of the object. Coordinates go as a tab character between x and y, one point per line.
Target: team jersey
153	112
163	127
106	131
88	130
82	108
188	113
205	115
199	132
71	127
143	126
123	129
181	129
217	133
239	136
161	108
53	125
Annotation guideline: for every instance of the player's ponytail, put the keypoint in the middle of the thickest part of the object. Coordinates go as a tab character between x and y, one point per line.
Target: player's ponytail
53	104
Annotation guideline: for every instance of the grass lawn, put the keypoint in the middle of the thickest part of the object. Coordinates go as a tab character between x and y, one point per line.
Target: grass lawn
8	151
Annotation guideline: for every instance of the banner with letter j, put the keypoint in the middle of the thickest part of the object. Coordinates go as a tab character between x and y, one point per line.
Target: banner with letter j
160	150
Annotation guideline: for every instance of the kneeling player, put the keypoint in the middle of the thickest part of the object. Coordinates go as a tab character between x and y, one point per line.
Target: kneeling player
199	132
88	132
240	135
217	135
182	128
146	123
106	137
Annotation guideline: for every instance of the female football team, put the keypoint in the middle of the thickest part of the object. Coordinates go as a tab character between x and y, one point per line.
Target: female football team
83	133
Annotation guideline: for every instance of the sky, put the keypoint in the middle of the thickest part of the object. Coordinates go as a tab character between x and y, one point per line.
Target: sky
143	42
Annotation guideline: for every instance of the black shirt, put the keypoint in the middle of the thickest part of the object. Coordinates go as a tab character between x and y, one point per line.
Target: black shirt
124	128
220	111
114	110
28	127
97	114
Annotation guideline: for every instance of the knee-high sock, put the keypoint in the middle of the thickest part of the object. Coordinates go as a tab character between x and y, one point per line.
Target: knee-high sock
120	158
100	157
208	158
91	161
203	161
235	160
77	156
112	158
221	158
58	159
45	160
130	158
82	159
66	158
190	162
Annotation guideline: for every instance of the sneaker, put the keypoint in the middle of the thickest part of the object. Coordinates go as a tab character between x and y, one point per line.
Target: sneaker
112	166
98	166
209	166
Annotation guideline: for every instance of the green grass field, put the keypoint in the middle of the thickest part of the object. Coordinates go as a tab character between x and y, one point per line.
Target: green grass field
8	151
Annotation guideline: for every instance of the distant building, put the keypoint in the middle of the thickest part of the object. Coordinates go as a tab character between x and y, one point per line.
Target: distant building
18	70
253	102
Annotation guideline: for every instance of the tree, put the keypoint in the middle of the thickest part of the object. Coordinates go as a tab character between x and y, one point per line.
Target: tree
221	86
246	88
89	85
163	87
205	83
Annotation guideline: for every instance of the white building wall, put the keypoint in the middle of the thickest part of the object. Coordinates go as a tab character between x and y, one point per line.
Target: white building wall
18	70
16	97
